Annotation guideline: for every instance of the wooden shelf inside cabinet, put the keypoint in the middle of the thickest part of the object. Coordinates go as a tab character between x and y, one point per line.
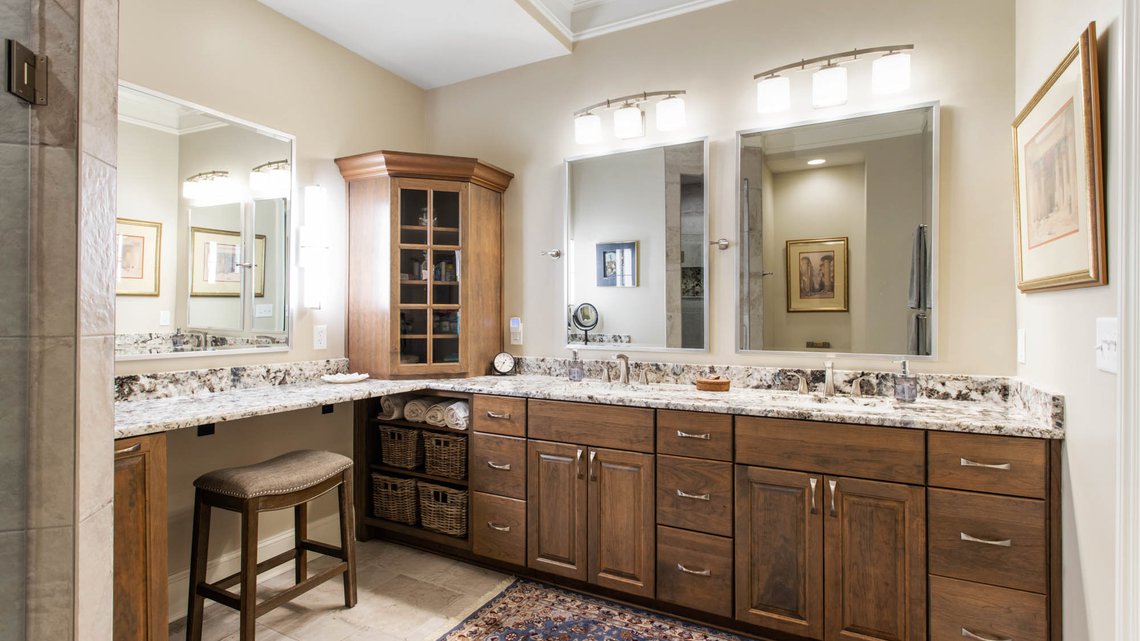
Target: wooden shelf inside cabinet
416	532
446	480
419	426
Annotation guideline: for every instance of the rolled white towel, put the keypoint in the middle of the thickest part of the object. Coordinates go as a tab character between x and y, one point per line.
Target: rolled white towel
437	414
456	415
392	407
416	409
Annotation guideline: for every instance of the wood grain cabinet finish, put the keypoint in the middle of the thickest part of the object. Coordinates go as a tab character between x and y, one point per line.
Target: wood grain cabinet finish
985	463
498	526
140	583
695	570
499	415
556	509
608	426
966	611
694	434
498	465
622	536
694	494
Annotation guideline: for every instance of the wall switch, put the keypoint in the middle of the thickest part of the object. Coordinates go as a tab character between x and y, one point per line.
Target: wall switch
1108	345
516	331
263	311
1021	345
320	336
164	318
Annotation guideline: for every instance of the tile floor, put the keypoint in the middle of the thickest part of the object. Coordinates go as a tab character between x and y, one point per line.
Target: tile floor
403	595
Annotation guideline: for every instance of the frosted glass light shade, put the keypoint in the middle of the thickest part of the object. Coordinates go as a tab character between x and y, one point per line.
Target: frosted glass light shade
212	189
773	94
829	87
891	73
629	122
670	114
270	183
587	129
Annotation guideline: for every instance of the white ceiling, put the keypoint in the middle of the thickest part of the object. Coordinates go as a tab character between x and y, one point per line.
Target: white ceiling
433	43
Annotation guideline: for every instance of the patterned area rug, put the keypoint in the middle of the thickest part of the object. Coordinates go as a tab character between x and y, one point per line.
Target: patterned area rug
529	611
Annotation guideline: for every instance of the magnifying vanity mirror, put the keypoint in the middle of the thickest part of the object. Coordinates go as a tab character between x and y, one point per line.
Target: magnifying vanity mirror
637	229
839	230
202	232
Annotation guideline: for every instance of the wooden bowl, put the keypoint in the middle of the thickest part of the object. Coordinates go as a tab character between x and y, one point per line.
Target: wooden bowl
713	384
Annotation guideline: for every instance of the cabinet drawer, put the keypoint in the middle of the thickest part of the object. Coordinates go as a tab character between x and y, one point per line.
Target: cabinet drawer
619	428
695	434
992	539
694	494
498	527
881	453
694	570
959	609
499	414
984	463
499	465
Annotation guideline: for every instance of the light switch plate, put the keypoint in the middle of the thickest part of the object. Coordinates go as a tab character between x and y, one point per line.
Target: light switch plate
263	311
1021	345
164	317
1108	345
516	330
320	336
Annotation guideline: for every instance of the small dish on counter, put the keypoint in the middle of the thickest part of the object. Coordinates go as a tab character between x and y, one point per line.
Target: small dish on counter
713	384
344	378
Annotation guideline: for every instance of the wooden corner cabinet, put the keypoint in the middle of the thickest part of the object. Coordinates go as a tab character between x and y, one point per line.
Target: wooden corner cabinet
425	263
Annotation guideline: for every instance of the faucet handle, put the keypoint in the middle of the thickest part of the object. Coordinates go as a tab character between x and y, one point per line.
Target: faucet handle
803	383
621	357
857	385
605	374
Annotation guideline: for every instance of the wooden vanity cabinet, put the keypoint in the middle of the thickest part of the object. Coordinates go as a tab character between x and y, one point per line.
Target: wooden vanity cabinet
140	582
425	263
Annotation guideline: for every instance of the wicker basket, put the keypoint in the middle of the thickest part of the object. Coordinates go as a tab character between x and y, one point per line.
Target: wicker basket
401	447
445	455
394	498
443	509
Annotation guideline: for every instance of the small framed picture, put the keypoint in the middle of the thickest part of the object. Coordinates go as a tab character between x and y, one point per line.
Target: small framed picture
216	263
617	264
817	275
1059	185
138	257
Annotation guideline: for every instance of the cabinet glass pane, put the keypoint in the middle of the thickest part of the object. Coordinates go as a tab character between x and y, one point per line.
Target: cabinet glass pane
413	216
445	323
445	350
413	265
445	266
413	294
413	322
445	205
413	350
445	293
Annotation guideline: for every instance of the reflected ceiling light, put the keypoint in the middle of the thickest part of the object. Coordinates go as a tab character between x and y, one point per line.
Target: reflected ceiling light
587	129
629	122
209	187
889	74
773	94
816	161
270	179
829	86
629	118
670	114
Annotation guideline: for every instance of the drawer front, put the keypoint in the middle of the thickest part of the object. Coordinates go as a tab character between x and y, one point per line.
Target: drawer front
984	463
619	428
992	539
694	570
499	465
695	434
498	528
499	414
694	494
959	609
881	453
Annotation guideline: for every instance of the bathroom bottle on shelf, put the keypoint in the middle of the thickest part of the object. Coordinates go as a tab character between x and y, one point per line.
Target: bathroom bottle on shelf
906	384
576	371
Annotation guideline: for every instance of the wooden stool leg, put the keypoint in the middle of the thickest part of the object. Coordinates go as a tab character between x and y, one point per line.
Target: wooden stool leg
248	601
347	538
300	533
199	546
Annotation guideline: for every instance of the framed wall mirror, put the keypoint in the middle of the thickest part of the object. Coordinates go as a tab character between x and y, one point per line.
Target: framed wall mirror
203	230
839	235
637	230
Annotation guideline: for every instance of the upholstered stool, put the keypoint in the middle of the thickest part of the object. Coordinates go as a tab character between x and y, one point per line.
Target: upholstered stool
288	481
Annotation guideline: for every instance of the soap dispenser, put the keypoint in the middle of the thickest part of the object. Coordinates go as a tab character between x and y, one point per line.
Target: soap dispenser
906	384
575	371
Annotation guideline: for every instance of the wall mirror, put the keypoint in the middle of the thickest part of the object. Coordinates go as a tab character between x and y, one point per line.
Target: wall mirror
637	229
202	230
839	235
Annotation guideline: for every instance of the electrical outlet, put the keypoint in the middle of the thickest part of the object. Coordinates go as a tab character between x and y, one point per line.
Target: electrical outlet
164	317
1108	345
320	336
1021	346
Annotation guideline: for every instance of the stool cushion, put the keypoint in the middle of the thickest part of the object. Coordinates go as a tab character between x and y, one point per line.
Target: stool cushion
284	474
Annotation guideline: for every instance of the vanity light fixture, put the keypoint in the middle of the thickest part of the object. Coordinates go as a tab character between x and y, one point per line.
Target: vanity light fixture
208	187
629	118
815	162
270	179
889	74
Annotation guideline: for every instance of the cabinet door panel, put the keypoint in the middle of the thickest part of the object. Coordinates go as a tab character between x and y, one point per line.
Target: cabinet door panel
140	582
779	550
622	536
875	559
556	509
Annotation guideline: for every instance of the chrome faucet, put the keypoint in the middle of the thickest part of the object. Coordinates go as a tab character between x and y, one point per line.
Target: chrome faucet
857	385
623	368
802	388
829	378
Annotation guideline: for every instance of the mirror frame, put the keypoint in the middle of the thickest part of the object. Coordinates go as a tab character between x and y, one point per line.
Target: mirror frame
567	255
935	227
291	230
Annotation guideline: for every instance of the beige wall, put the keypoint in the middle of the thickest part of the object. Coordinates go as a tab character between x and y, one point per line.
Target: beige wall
1060	328
521	120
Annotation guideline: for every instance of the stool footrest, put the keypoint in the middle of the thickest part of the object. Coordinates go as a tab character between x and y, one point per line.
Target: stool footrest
268	564
221	595
283	597
321	548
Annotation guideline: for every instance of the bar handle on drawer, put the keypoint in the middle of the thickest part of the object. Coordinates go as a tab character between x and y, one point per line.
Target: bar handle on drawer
966	632
506	416
501	528
704	437
973	539
813	481
831	483
686	570
506	467
990	466
700	497
127	450
581	472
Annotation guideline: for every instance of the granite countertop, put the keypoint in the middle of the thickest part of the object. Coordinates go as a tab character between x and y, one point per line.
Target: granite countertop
135	418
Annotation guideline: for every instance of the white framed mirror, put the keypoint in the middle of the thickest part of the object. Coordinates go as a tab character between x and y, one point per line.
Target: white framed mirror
838	222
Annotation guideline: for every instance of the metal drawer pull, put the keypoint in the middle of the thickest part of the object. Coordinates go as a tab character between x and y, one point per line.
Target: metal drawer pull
704	437
832	484
501	528
499	466
578	461
813	482
700	497
593	472
127	450
506	416
973	539
696	572
990	466
981	637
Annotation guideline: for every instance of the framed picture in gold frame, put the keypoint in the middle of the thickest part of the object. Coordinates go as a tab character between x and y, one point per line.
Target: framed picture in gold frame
216	262
817	275
138	257
1058	180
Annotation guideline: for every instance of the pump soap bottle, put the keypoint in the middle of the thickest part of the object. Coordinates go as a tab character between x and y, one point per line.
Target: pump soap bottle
906	384
576	371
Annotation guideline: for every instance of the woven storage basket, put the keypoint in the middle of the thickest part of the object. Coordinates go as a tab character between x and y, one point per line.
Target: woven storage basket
445	455
395	499
443	509
401	447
